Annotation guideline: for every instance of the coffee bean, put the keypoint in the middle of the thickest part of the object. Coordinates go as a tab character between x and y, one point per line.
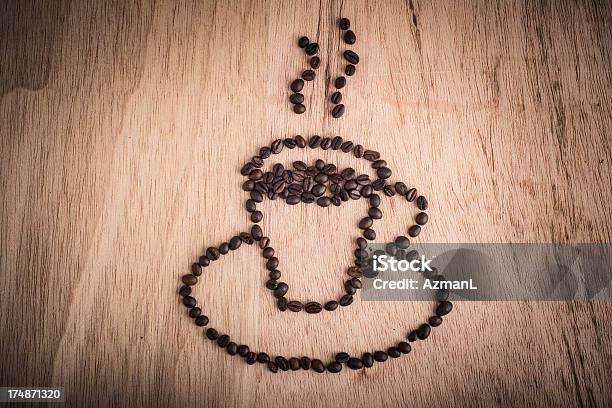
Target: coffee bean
263	358
281	290
308	75
363	179
331	305
196	269
354	272
265	151
268	252
365	223
323	201
404	347
350	37
375	213
356	283
272	367
212	334
393	352
297	85
313	307
331	169
263	242
321	178
340	82
223	340
317	365
358	151
350	290
201	320
251	358
303	42
275	275
282	363
185	290
380	356
402	242
371	155
271	284
351	57
295	98
414	231
344	23
349	70
204	261
338	111
379	184
305	363
281	303
411	194
299	108
347	146
295	306
232	349
347	173
444	308
235	243
326	142
294	363
312	49
422	203
314	141
412	336
246	169
272	263
389	191
367	359
423	331
300	141
421	218
342	357
354	363
401	188
336	97
189	302
374	200
336	143
257	161
350	185
435	321
256	196
256	216
315	62
243	350
369	234
293	199
346	300
195	312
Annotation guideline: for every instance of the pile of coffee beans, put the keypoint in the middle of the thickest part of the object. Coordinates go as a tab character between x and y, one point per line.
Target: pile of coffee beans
353	59
322	184
297	85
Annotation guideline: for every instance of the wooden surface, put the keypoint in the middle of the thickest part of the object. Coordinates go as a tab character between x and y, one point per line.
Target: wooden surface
123	126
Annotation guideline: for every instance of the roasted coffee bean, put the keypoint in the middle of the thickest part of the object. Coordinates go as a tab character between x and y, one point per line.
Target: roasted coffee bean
248	185
271	284
331	305
401	188
421	218
263	358
281	290
293	199
350	37
351	57
379	184
411	194
318	190
272	367
375	213
350	290
196	269
201	320
305	363
380	356
367	359
371	155
323	201
347	146
435	321
295	98
402	242
330	169
423	331
251	358
363	179
444	308
195	312
442	294
272	263
347	173
300	141
326	143
189	302
340	82
344	23
297	85
374	200
243	350
263	242
354	363
349	70
256	216
282	363
369	234
185	290
204	261
404	347
256	196
336	143
346	300
308	75
336	97
414	231
295	306
338	111
189	280
294	363
412	336
356	283
313	307
421	203
317	365
275	275
342	357
365	223
389	191
212	334
379	164
257	161
321	178
246	169
223	340
308	198
268	252
354	272
354	194
232	349
350	185
265	151
281	303
314	141
299	108
393	352
235	243
361	253
315	62
312	49
358	151
336	201
303	42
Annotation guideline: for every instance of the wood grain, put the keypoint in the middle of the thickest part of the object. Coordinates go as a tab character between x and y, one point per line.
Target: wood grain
123	126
